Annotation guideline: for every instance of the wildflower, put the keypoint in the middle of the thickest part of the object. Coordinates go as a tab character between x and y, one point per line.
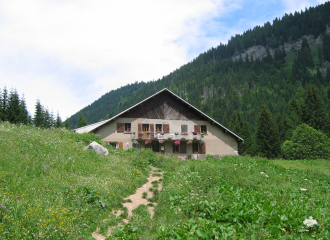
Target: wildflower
310	222
17	197
303	189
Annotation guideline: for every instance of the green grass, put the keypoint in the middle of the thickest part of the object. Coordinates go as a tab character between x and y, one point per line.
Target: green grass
239	198
53	189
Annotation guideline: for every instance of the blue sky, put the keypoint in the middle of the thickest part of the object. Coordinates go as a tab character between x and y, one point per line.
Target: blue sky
68	53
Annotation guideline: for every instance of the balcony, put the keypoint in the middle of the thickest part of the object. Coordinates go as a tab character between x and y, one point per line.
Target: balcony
167	136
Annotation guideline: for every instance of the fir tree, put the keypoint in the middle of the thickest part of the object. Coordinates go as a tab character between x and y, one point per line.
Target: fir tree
13	110
313	111
38	119
66	124
267	139
24	114
240	127
81	120
58	122
4	104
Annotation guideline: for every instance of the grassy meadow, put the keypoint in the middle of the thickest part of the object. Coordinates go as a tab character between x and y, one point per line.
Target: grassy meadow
52	189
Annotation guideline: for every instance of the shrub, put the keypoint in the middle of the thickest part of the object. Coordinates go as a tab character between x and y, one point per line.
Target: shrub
307	143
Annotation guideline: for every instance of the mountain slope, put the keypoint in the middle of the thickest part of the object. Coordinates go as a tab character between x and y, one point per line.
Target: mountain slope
231	78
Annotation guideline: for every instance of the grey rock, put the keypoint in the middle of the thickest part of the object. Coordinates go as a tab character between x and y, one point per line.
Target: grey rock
99	149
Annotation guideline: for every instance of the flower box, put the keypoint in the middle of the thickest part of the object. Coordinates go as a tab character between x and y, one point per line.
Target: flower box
140	133
194	133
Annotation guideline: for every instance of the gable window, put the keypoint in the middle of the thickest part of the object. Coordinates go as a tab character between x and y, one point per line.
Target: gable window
145	127
203	129
176	148
158	127
195	147
184	128
127	127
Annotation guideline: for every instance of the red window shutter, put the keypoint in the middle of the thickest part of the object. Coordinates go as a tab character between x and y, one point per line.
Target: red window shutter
139	130
166	128
183	147
152	131
202	148
197	128
120	127
120	145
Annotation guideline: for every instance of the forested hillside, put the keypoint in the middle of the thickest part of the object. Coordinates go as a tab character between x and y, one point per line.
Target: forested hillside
226	82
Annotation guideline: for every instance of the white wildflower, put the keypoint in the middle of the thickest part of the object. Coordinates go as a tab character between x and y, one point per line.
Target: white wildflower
303	189
310	222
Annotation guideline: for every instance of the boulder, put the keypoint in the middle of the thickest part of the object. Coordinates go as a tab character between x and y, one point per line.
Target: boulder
99	149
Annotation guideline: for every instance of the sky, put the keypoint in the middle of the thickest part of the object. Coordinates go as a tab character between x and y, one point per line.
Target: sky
68	53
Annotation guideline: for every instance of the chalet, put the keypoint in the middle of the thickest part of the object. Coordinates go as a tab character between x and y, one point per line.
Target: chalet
167	124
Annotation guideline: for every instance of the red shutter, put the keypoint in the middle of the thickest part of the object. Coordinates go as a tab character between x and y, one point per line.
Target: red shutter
197	128
152	131
166	128
139	130
120	145
120	127
202	148
183	147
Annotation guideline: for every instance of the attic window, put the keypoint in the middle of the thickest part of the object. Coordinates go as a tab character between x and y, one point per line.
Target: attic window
127	127
145	127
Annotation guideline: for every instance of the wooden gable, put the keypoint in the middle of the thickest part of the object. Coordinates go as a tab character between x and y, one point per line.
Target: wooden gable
164	106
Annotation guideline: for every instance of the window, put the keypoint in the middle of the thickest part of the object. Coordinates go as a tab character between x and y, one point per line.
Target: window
158	127
176	148
113	144
145	127
203	129
195	147
127	127
184	129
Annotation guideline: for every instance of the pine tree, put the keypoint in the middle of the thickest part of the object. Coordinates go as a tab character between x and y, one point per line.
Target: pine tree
13	110
24	114
38	119
66	124
4	104
314	111
58	122
81	120
240	127
267	139
295	117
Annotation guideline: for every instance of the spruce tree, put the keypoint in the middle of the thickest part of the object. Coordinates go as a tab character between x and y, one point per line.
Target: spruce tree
66	124
267	139
38	119
240	127
58	122
4	104
81	120
24	114
313	111
13	110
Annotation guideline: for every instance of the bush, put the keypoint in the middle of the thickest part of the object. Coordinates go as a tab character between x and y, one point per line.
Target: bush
307	143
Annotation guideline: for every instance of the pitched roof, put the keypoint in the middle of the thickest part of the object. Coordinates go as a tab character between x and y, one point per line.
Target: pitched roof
91	127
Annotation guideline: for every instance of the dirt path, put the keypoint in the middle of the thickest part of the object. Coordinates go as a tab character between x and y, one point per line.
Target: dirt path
136	200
